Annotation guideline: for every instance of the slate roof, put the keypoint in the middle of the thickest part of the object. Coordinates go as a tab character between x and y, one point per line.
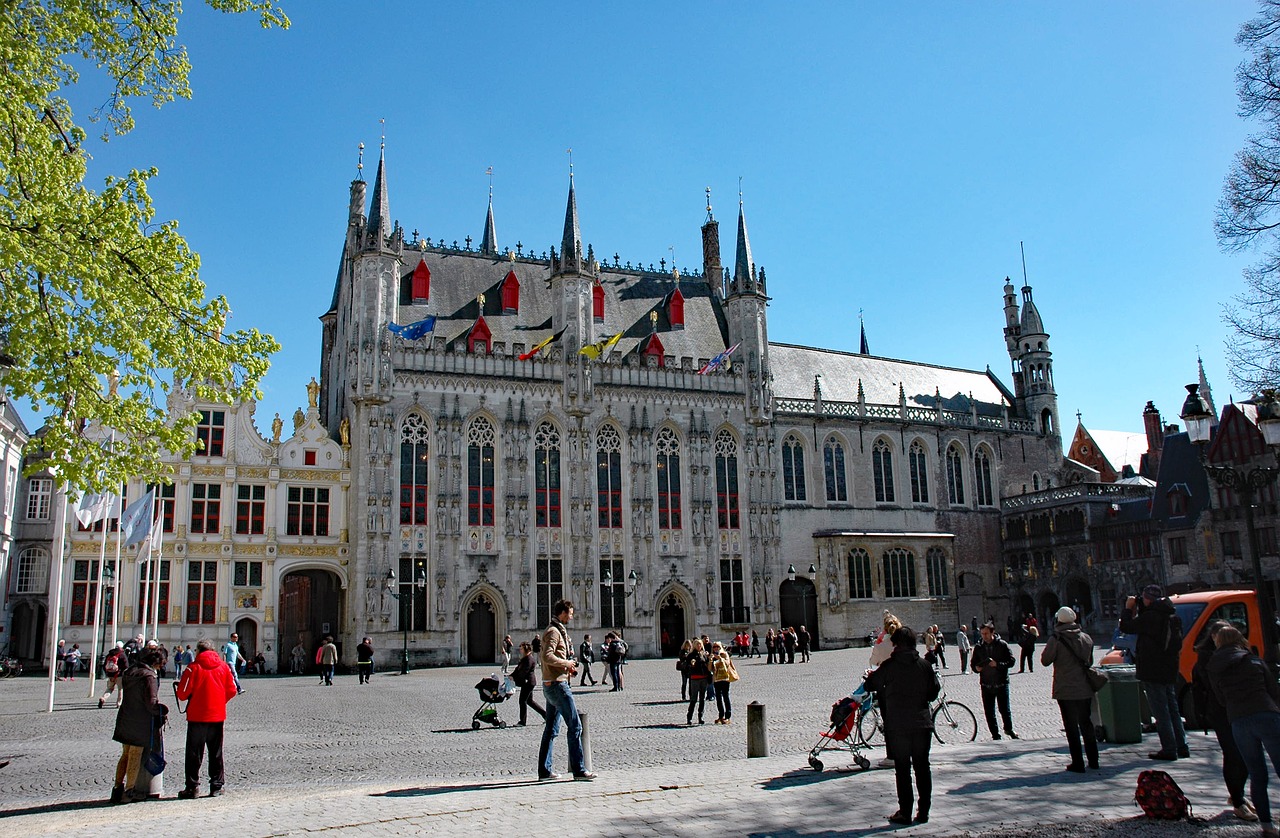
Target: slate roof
1180	466
795	366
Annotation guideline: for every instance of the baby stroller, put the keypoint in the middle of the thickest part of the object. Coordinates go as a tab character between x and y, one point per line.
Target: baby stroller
492	691
843	733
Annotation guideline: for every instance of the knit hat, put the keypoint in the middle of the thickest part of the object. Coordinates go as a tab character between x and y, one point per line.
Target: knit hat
1066	615
1153	592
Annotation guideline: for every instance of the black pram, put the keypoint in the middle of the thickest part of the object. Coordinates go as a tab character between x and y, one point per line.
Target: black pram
492	691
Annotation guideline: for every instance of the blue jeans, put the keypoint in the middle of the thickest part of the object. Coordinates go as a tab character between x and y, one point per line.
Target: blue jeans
559	698
1255	734
1163	699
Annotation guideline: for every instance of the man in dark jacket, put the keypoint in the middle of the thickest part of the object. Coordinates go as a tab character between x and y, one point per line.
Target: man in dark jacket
208	685
905	685
992	660
1159	646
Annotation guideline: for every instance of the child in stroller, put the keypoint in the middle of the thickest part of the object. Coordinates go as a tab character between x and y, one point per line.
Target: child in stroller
492	692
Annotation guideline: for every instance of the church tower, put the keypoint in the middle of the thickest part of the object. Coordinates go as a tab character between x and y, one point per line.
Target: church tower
745	309
1028	345
572	280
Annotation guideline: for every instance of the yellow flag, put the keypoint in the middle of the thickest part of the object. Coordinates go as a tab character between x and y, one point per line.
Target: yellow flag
600	347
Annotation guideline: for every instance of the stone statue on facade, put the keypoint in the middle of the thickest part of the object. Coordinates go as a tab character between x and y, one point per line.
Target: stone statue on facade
298	419
344	432
277	428
313	393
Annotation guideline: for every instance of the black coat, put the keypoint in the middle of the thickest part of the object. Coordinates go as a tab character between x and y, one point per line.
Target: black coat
905	685
1155	660
139	708
997	650
523	675
1243	683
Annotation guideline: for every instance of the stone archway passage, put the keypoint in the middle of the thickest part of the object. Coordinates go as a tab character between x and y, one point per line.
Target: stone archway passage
482	631
28	631
798	606
310	608
247	629
671	624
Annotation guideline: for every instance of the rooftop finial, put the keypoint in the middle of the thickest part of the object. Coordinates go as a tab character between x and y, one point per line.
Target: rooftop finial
383	142
489	172
569	152
708	203
360	163
739	192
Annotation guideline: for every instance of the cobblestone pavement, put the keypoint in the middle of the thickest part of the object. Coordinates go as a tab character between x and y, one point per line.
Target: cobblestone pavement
398	757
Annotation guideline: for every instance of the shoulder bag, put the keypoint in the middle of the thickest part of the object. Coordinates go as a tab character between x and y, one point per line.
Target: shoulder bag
1096	678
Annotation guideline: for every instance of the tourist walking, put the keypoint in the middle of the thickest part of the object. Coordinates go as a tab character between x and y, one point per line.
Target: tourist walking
138	724
507	646
558	669
231	654
755	644
179	661
940	648
906	684
113	666
803	641
695	666
1248	690
327	657
992	659
963	645
1234	771
615	656
586	657
207	686
723	674
71	662
685	648
298	659
364	660
1027	643
1157	651
526	679
1070	653
771	645
789	644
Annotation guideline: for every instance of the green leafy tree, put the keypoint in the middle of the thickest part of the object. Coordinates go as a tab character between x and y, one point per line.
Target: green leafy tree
1248	214
91	287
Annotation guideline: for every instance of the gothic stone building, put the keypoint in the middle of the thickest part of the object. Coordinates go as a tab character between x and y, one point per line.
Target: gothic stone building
797	485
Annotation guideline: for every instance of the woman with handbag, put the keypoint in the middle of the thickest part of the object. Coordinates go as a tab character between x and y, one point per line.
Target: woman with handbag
1070	651
138	729
685	649
723	674
524	678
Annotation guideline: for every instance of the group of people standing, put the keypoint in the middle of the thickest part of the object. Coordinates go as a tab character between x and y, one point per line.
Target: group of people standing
783	644
702	669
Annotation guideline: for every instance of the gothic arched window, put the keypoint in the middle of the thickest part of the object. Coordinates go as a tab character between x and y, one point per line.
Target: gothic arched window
899	573
609	477
918	462
480	457
955	476
935	566
546	475
860	586
982	477
668	467
33	571
882	471
727	481
792	469
414	439
833	468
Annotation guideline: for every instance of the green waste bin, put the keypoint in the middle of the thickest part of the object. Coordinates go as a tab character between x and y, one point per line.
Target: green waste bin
1119	704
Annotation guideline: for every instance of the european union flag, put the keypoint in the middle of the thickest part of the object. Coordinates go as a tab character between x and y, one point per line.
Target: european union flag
413	331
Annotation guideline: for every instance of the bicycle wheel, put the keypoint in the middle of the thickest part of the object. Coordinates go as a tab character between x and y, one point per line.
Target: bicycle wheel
954	723
871	727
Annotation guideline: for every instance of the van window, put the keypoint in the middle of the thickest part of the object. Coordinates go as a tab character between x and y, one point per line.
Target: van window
1189	612
1235	613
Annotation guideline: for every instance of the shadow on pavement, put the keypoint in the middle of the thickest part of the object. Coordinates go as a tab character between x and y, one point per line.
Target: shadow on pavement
662	726
659	703
50	808
425	791
806	777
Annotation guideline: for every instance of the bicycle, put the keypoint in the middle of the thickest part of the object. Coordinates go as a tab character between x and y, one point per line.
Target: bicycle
10	667
953	722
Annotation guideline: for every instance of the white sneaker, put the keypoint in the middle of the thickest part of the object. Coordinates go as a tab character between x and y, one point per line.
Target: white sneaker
1245	812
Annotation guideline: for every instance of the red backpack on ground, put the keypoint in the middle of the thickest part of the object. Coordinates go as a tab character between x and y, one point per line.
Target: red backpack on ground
1160	797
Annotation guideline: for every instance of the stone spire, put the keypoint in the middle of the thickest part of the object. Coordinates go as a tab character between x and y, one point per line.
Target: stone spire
380	210
571	242
489	240
744	267
1206	394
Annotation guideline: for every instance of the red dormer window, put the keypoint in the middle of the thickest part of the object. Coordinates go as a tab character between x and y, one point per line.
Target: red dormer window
421	283
478	338
675	309
510	293
654	349
597	302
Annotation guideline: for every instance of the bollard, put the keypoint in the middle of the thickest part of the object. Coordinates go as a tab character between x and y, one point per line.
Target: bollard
586	740
757	733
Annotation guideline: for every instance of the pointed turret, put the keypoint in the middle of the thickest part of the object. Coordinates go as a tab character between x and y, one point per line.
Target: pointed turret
1206	394
744	267
711	250
380	209
489	240
571	241
1031	323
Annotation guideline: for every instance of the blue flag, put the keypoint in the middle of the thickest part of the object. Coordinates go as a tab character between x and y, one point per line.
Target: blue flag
413	331
135	523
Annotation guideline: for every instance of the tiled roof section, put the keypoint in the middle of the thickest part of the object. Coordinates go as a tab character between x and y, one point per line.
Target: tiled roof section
457	278
1180	466
795	366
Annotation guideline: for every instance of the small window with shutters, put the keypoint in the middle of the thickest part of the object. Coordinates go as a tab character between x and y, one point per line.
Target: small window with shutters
510	294
675	309
597	303
478	338
421	284
654	349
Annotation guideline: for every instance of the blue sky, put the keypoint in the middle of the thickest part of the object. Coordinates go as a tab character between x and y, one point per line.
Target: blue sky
892	158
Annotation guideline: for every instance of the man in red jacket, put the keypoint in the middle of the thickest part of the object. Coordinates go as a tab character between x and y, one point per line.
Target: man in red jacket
208	684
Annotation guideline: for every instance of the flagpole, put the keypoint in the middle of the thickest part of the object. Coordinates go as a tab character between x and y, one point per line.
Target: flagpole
155	573
115	596
97	610
54	606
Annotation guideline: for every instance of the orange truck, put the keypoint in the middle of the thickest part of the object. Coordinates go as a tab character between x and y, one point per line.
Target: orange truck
1197	611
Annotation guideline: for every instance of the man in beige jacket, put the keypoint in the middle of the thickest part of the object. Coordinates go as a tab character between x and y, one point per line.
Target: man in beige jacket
558	669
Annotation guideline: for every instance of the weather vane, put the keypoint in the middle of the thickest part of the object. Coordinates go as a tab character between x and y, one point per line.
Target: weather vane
489	172
569	152
383	146
360	160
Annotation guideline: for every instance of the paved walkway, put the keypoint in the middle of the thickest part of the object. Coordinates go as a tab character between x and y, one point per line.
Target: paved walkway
398	758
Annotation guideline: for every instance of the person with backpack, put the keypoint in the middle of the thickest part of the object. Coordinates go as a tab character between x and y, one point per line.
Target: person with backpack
113	666
1027	643
1070	653
1159	630
1248	690
1234	771
615	652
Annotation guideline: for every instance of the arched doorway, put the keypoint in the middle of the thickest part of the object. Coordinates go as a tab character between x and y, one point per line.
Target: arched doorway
310	608
798	606
482	631
247	629
671	626
1079	596
1049	605
28	631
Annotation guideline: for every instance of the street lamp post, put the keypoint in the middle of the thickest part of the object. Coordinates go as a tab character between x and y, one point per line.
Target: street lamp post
389	583
1244	482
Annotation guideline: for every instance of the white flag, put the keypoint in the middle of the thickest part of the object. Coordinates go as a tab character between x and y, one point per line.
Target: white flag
135	523
94	506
